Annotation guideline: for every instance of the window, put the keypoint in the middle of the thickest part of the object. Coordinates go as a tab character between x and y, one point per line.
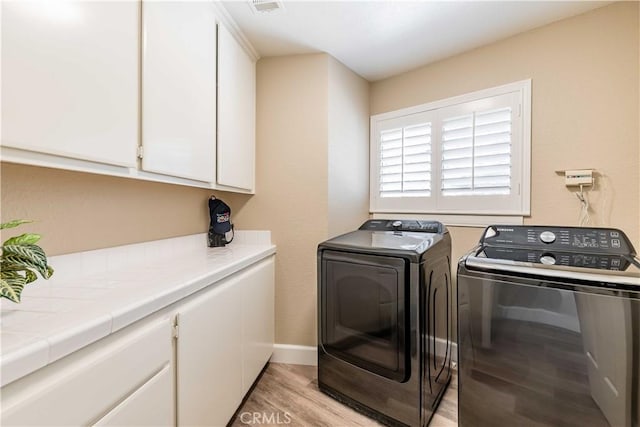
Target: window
467	155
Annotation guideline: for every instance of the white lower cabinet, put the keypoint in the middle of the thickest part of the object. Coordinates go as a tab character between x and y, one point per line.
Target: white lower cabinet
151	405
209	366
153	373
225	338
257	322
87	385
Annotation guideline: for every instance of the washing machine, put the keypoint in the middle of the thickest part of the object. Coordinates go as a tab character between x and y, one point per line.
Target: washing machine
549	328
385	319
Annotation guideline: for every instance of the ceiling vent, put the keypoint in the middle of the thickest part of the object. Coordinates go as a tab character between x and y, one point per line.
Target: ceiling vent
266	6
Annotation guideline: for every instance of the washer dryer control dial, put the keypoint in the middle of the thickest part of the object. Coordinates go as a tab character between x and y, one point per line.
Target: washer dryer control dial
547	237
548	259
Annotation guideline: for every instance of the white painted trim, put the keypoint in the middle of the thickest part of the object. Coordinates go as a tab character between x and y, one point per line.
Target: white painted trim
308	355
422	205
225	19
525	157
454	349
480	221
460	99
32	158
295	354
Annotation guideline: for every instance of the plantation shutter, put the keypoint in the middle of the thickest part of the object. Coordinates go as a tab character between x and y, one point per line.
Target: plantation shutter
405	161
476	153
466	155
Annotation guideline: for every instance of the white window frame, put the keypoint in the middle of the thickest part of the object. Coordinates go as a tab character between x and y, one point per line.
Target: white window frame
464	209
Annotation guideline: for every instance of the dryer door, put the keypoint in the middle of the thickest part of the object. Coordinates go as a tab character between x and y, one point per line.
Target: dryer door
363	310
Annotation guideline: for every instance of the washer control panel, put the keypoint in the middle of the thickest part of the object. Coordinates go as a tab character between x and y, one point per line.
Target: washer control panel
403	225
575	239
565	258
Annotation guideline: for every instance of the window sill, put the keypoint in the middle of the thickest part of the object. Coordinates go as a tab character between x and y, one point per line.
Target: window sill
455	220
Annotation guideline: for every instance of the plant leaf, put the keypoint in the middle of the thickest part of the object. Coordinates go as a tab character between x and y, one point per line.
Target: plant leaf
23	239
7	266
11	288
14	223
15	260
33	253
30	276
11	264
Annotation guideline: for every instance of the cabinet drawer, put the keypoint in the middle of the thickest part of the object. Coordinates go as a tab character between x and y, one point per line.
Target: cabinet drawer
150	405
81	388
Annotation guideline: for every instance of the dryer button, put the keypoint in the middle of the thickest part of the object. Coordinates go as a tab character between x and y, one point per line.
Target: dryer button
547	237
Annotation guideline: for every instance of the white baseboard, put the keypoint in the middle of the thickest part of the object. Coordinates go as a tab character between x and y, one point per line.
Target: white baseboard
440	352
295	354
308	355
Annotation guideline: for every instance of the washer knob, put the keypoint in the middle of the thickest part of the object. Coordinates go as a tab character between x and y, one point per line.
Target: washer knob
547	237
396	224
548	259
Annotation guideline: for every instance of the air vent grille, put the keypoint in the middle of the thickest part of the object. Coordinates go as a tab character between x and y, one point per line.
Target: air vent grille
266	6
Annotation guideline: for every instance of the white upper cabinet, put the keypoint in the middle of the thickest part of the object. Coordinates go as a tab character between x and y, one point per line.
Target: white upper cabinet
70	79
236	114
93	86
179	89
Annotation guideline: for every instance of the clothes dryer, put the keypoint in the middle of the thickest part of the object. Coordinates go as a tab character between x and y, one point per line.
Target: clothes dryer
385	319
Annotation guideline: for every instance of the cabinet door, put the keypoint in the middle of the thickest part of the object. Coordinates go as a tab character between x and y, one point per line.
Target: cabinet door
151	405
236	114
70	78
257	321
179	89
80	388
209	374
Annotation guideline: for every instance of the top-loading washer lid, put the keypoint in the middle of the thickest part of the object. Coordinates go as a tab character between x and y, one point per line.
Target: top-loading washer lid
410	245
402	241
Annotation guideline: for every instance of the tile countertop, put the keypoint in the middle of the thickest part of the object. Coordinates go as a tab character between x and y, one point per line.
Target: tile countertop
93	294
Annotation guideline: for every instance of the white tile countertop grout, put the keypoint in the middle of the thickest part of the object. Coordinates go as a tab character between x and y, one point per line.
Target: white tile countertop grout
96	293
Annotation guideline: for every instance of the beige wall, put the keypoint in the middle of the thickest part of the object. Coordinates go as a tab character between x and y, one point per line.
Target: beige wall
291	183
76	211
348	185
312	174
585	111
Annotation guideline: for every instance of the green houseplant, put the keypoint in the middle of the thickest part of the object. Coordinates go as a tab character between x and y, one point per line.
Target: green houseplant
21	258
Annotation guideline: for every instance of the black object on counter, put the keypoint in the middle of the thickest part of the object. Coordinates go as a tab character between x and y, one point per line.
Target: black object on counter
220	225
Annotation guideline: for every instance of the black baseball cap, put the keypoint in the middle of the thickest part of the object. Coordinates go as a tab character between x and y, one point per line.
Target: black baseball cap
220	214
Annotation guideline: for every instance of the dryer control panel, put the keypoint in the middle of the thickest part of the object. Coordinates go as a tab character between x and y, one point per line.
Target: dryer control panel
600	240
403	225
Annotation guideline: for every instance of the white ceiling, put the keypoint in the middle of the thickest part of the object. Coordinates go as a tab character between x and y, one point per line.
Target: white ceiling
378	39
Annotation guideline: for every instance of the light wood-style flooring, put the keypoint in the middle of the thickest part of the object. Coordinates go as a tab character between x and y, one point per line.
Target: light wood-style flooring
288	395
